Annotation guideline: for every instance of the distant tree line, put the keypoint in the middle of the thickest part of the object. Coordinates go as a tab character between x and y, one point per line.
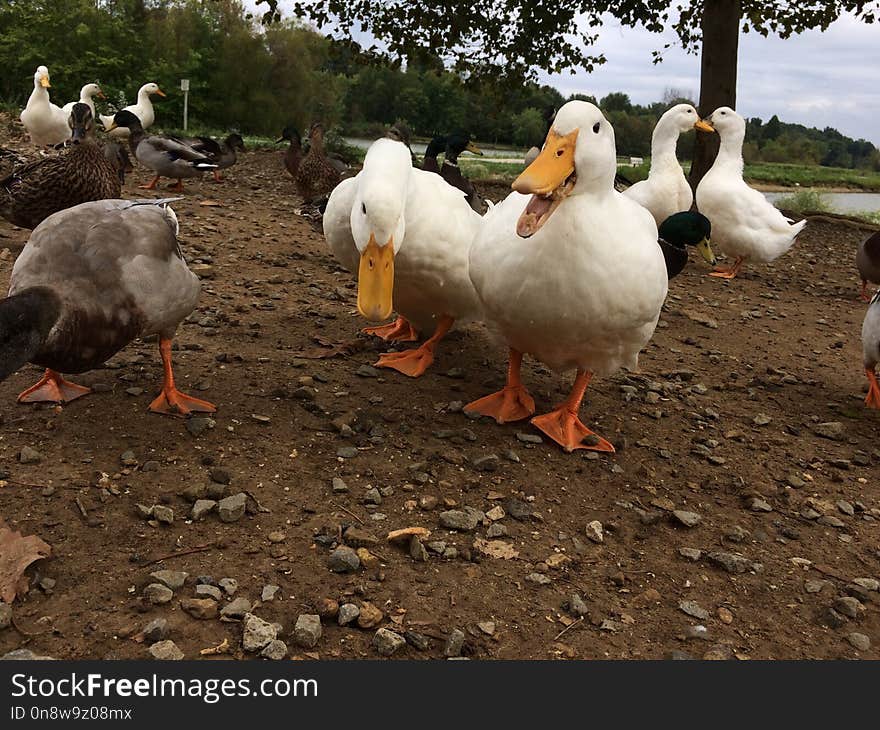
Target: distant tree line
257	78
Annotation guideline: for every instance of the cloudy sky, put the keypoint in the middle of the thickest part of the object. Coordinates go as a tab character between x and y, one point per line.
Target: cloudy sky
818	79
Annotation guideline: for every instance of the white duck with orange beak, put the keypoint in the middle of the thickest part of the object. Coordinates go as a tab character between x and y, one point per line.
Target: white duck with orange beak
45	122
569	271
406	233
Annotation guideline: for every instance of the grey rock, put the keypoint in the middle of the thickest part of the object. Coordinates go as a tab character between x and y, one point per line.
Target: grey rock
166	650
859	641
202	507
517	509
348	612
197	425
690	553
688	519
595	531
269	592
229	586
339	486
307	631
24	655
208	591
756	504
692	608
388	642
236	609
454	643
157	594
529	438
456	519
344	560
5	615
538	579
731	562
489	462
845	507
347	452
220	475
174	579
27	455
815	586
275	649
496	529
372	496
831	430
417	551
849	606
577	606
231	509
869	584
257	633
163	514
417	640
156	630
831	521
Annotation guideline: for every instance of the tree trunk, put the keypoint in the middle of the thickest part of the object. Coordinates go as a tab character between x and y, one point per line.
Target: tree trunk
720	30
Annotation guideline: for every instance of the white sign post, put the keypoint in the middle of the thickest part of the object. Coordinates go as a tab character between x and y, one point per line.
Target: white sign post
184	87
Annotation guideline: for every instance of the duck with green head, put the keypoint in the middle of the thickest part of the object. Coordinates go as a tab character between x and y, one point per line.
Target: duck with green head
679	231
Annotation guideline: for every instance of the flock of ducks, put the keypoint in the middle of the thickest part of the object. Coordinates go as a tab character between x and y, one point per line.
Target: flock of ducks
565	269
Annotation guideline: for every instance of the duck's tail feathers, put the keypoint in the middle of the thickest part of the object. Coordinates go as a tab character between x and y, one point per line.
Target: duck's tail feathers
199	165
799	226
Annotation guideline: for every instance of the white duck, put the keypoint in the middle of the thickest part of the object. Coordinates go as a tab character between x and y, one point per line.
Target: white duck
143	110
871	350
572	275
45	122
666	191
86	96
744	223
406	233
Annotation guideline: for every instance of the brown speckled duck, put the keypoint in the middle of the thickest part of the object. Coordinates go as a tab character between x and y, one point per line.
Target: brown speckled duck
40	188
868	262
89	281
293	155
317	175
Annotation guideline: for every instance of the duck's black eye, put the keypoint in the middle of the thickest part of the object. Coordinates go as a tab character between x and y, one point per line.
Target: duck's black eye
596	127
559	153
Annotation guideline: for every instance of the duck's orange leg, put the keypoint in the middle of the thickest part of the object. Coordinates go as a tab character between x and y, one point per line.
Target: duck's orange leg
171	400
728	272
864	294
872	400
415	362
401	330
563	425
217	176
177	187
152	184
513	402
52	388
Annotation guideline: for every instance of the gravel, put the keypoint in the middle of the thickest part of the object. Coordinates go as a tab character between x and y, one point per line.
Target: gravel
166	650
257	633
348	612
343	560
307	631
174	579
157	594
387	642
231	509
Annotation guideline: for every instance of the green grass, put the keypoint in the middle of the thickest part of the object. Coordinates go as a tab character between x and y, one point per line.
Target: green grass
788	175
804	201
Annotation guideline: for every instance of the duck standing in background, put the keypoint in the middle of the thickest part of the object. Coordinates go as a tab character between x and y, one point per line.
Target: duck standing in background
871	350
224	154
165	156
294	153
44	121
86	96
666	191
80	174
744	223
89	281
868	263
143	110
456	144
316	175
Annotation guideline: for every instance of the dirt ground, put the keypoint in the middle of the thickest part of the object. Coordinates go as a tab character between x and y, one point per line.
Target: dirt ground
722	421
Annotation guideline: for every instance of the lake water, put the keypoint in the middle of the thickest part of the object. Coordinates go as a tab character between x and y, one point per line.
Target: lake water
842	202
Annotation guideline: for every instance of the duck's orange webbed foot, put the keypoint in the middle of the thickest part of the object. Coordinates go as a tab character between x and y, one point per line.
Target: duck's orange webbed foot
177	187
415	362
398	331
511	403
174	403
52	388
728	272
218	178
872	400
151	185
566	429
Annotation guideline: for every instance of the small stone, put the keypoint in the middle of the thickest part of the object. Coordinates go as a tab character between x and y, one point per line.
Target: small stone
327	608
208	591
815	586
496	529
166	650
348	612
275	649
595	532
688	519
373	497
347	452
869	584
339	486
202	507
517	509
258	633
417	640
344	560
417	550
356	537
370	616
731	562
454	643
128	458
496	513
220	475
577	606
459	520
157	594
5	615
538	579
388	642
231	509
276	536
156	630
487	627
229	586
236	608
756	504
200	608
269	592
849	606
690	553
846	508
489	462
27	455
307	631
197	425
174	579
692	608
831	521
150	466
725	615
831	430
859	641
163	514
762	419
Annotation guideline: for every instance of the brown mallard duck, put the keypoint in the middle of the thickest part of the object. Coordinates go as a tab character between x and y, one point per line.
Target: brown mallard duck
317	174
453	145
868	263
223	153
293	155
38	189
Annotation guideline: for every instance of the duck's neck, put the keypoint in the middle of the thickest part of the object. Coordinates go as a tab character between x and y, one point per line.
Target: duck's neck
317	144
39	95
663	143
435	147
135	137
26	319
730	152
144	98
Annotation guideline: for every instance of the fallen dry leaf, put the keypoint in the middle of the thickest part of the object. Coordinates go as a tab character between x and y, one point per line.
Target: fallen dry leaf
16	554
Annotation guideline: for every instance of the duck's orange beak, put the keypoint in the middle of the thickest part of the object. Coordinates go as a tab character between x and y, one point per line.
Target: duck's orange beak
704	126
551	168
376	280
44	82
160	92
